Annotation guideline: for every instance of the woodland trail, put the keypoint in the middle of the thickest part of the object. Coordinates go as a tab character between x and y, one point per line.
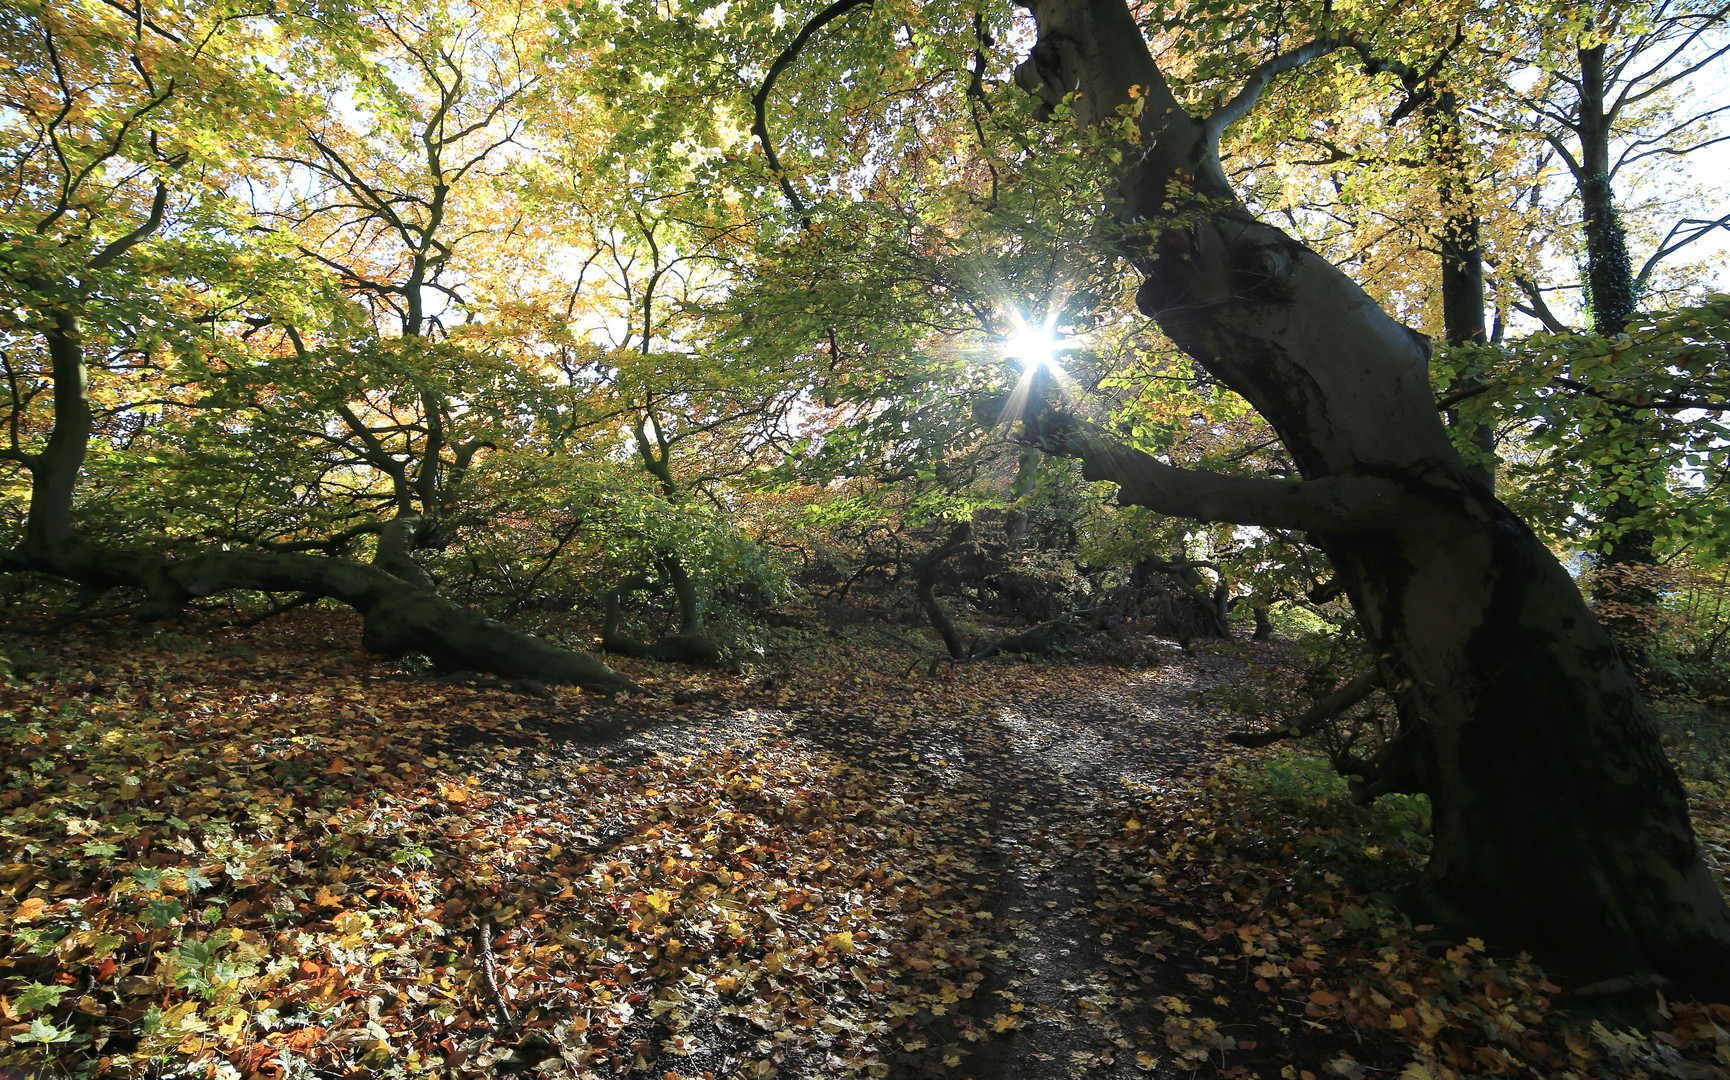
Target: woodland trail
1025	782
257	853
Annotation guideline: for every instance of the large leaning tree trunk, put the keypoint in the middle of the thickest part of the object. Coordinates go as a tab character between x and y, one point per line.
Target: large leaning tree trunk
1558	825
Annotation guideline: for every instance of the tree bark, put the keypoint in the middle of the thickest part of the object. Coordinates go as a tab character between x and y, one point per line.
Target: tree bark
398	618
1559	826
1462	255
1623	549
925	578
686	645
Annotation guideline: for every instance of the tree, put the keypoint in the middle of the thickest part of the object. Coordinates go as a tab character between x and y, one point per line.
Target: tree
1558	825
1612	97
113	128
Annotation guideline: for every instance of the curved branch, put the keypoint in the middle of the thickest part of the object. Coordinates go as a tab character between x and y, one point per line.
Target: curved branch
760	100
398	617
1702	228
1329	504
158	204
1246	97
1343	698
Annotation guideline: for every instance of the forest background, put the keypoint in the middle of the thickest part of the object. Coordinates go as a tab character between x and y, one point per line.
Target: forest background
651	327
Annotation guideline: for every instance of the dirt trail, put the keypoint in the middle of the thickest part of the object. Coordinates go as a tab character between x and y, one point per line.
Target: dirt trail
1024	782
1058	781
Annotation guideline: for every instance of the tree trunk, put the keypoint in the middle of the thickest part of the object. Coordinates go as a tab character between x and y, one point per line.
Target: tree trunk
1559	827
687	645
924	575
395	554
1619	588
1462	255
398	618
401	613
1263	623
54	472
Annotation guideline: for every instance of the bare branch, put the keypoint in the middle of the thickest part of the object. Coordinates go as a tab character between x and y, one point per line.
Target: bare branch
1343	698
158	204
1630	97
760	100
1246	97
1666	249
1539	309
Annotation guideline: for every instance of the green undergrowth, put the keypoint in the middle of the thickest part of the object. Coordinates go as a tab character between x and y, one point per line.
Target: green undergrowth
1696	736
1374	848
1308	875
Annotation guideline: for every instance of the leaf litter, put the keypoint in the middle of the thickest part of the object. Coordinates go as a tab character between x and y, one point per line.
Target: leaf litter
244	854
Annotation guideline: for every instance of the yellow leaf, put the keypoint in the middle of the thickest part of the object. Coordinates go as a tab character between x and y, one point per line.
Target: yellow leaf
230	1029
453	792
841	942
171	1019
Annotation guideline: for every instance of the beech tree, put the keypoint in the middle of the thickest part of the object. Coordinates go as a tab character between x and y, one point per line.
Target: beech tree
114	177
1613	97
1558	825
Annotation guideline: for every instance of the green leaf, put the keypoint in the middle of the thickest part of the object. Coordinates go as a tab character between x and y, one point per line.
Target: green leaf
36	997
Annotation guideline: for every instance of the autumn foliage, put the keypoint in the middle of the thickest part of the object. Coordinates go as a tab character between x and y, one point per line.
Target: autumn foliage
240	850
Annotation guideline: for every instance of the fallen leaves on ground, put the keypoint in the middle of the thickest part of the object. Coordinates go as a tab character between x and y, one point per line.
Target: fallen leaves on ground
244	854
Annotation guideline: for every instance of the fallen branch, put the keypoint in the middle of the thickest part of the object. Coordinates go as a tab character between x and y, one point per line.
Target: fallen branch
1326	709
489	977
281	608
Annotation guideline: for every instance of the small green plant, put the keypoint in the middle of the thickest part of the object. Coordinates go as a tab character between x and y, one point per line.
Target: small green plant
1374	848
20	664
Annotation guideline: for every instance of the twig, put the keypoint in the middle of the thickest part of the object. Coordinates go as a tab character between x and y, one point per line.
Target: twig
484	941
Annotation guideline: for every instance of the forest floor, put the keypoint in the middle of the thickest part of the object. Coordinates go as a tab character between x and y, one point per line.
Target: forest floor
265	853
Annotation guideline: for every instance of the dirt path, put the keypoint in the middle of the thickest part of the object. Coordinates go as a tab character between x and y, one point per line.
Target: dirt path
1073	966
1057	780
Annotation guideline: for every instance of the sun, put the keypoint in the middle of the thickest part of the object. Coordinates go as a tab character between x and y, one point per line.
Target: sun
1037	347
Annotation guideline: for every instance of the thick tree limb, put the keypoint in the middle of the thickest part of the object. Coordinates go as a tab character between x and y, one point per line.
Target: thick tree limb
1327	505
924	573
398	617
158	206
1539	309
1246	97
